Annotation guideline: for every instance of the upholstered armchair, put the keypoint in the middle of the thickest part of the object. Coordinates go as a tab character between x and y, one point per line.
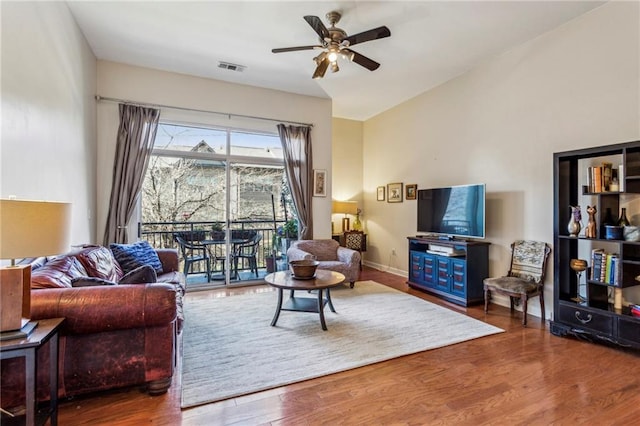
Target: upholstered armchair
330	255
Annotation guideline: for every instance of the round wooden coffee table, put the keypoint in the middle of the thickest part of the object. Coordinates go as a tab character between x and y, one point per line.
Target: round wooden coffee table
324	280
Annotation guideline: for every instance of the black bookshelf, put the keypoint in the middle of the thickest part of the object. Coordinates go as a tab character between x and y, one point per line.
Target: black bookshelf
585	306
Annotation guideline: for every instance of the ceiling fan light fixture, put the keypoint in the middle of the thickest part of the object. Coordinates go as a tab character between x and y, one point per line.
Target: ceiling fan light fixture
335	43
348	55
321	69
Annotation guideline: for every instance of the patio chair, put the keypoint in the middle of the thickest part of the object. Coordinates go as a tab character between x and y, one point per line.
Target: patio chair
247	251
192	251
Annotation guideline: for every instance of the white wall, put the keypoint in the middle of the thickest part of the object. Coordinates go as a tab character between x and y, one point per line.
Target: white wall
346	165
574	87
48	111
164	88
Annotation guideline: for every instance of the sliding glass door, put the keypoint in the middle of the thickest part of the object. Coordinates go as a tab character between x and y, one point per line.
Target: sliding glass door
219	196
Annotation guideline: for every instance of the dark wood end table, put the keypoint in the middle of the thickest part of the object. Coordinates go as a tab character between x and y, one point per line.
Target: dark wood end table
324	280
28	347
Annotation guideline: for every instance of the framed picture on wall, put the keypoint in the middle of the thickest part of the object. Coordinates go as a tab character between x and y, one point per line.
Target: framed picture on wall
394	193
411	191
319	183
380	193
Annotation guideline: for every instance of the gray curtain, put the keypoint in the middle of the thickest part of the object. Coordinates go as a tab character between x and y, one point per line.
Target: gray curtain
136	134
298	165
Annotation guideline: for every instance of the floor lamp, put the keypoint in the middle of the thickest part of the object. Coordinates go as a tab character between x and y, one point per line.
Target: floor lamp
27	229
345	207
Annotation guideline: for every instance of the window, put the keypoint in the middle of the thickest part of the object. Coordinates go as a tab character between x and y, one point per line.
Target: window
192	167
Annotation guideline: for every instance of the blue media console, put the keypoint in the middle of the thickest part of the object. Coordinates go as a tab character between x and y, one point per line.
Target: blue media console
455	274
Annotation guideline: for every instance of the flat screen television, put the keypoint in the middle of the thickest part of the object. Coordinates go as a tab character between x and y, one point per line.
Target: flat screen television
454	211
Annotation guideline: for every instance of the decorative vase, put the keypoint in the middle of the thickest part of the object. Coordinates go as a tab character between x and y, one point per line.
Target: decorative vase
608	218
574	225
623	221
631	233
357	225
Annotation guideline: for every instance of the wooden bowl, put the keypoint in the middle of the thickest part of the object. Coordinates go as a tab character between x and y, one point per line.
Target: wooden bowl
305	268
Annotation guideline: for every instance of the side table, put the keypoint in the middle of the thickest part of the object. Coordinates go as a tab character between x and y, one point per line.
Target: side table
46	331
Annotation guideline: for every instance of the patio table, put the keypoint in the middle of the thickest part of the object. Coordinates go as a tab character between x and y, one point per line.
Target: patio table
213	245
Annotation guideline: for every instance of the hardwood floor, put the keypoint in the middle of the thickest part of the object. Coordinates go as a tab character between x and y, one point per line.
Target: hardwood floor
523	376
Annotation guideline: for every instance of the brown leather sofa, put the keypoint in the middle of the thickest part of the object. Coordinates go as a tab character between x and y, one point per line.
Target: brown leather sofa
113	336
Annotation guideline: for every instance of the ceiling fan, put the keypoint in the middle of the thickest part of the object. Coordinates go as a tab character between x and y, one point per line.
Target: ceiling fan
334	43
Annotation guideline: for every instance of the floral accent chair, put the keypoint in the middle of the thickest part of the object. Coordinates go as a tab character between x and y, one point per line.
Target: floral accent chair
331	256
525	278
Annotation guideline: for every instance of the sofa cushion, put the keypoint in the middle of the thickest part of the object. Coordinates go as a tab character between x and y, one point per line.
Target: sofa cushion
177	279
132	256
58	272
99	262
322	249
142	274
90	282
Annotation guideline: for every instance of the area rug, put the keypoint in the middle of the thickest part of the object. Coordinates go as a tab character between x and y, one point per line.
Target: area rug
230	349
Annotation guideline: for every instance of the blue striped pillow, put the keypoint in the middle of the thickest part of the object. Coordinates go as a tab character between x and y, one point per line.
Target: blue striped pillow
132	256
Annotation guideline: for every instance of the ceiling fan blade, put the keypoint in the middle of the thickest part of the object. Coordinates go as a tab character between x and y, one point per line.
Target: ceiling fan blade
359	59
293	49
318	26
374	34
321	69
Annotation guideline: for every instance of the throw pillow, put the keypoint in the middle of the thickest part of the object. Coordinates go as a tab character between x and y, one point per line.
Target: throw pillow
90	282
141	275
99	262
132	256
57	273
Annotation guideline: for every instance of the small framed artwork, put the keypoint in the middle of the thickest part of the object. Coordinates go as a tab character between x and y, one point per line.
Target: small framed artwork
319	183
380	193
411	192
394	193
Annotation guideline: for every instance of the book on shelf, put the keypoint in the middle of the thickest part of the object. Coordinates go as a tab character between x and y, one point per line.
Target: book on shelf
607	173
616	265
597	179
621	177
605	267
596	263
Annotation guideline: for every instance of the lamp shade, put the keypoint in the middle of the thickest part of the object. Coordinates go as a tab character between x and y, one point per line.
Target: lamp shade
346	207
33	228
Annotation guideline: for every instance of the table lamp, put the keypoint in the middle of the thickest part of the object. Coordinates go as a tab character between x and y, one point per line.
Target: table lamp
346	207
27	229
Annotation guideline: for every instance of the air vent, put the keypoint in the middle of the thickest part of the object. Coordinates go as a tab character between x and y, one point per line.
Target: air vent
231	67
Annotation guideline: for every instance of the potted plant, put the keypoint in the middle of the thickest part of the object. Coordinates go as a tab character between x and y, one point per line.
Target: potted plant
271	258
217	231
290	229
286	234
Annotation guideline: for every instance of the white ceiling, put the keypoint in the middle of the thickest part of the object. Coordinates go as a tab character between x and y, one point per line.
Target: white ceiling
431	42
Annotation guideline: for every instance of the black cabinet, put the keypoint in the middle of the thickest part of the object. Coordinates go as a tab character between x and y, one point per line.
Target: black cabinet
456	276
593	305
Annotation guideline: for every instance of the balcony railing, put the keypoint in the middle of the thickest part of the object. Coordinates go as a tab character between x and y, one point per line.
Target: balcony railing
161	235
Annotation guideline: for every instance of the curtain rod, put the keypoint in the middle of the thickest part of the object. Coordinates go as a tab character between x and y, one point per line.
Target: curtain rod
108	99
